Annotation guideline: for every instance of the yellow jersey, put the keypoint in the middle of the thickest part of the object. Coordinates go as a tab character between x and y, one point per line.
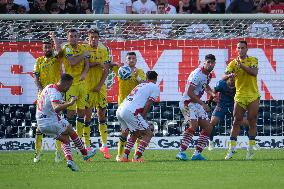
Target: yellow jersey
100	55
126	86
76	70
246	84
48	70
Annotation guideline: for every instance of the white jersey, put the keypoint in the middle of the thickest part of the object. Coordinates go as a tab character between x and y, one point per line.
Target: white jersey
199	79
138	97
144	8
118	6
48	95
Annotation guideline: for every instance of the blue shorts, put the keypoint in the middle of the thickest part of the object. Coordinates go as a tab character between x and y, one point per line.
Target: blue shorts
221	111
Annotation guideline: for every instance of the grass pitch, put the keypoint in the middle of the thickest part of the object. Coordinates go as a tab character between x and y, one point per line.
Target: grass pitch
161	171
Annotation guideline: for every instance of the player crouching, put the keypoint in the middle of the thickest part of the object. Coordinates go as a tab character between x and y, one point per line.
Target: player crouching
132	115
49	105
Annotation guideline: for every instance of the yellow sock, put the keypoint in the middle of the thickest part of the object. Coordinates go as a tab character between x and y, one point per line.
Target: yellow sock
120	147
137	145
79	128
103	133
38	142
86	135
251	142
232	144
58	145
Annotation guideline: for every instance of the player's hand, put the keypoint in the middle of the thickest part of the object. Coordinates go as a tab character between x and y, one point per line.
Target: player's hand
206	107
97	89
83	77
239	63
73	100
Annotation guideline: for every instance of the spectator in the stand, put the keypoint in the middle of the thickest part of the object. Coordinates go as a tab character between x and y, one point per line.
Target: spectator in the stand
272	7
118	7
186	7
98	6
241	6
84	7
170	9
54	9
11	7
144	7
65	6
3	6
24	3
21	9
39	7
210	6
161	8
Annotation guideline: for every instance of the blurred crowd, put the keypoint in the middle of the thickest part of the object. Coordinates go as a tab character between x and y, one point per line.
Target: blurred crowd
140	6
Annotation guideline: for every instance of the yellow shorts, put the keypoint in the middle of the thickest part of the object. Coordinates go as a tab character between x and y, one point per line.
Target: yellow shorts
97	100
78	90
245	101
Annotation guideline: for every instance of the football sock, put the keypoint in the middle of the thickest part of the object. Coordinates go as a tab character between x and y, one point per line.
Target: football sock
186	139
103	133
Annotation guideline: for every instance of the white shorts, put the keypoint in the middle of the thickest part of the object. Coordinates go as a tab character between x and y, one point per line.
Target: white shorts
128	120
52	126
193	111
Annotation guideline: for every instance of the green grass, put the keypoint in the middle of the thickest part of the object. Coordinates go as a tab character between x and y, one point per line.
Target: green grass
161	170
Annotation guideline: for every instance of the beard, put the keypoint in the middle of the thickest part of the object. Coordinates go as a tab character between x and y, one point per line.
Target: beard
48	54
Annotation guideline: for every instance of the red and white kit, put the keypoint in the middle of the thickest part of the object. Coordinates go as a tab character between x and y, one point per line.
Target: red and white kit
128	113
48	120
191	110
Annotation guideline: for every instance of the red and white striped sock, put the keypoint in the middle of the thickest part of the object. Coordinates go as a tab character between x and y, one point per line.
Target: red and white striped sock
129	145
186	139
66	148
141	149
202	141
78	143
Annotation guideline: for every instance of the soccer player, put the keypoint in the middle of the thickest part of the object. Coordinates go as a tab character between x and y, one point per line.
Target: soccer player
49	106
46	71
226	90
76	63
97	90
195	110
132	113
125	87
245	70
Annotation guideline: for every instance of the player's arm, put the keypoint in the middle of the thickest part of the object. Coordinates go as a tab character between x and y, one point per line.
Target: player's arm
74	60
211	92
147	108
250	70
86	69
103	79
57	44
58	106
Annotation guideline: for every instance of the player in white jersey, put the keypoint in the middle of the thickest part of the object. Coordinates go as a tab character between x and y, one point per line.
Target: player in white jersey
195	110
49	106
132	113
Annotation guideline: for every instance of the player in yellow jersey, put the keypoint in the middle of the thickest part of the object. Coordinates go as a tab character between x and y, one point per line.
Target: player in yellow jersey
96	87
46	71
76	63
245	69
125	87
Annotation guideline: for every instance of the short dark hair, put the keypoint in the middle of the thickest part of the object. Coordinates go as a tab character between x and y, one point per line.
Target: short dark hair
244	42
151	75
131	53
210	57
93	30
66	78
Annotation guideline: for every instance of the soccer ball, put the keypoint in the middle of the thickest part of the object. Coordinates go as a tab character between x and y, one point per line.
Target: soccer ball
124	72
